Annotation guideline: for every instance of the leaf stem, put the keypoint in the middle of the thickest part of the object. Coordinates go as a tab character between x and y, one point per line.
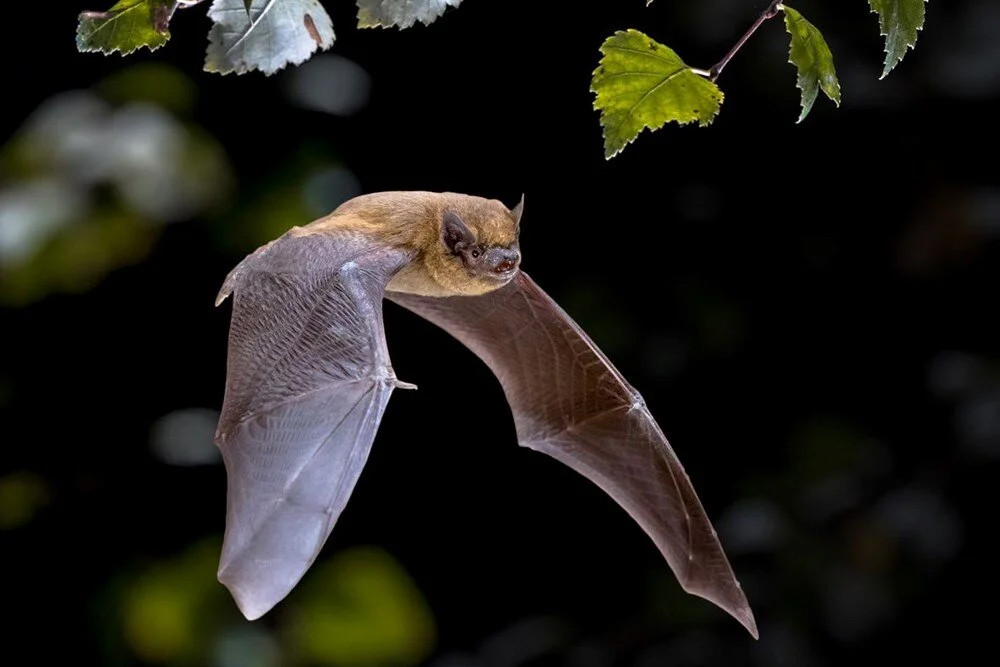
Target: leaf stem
769	13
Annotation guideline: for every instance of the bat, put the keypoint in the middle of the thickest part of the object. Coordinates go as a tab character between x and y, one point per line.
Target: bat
309	377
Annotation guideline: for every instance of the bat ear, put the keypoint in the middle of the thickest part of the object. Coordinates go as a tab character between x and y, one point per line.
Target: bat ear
517	211
454	234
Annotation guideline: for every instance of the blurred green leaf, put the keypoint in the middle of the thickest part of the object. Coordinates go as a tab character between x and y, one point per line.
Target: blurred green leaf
268	36
77	257
898	21
401	13
643	84
22	494
127	26
811	56
89	185
173	611
265	212
156	83
360	609
823	446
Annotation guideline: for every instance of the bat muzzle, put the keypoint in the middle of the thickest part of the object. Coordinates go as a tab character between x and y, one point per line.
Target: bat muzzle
502	262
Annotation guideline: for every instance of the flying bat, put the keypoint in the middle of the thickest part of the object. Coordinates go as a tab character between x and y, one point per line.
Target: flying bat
309	377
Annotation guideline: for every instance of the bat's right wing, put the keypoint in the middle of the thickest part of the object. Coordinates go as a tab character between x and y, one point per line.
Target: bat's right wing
308	379
571	403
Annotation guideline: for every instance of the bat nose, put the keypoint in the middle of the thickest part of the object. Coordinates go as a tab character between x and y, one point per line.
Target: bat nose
505	260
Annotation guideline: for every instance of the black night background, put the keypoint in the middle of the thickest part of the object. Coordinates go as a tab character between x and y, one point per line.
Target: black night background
809	310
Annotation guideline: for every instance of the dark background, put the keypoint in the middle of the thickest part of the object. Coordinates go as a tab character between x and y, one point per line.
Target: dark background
809	311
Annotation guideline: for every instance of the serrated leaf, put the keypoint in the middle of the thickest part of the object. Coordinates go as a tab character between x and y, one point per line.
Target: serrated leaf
812	58
127	26
274	33
401	13
641	83
898	21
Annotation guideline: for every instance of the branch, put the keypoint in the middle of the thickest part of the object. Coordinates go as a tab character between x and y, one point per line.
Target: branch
769	13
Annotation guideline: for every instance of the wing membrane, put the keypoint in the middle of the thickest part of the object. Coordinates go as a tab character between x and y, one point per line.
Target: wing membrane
308	380
570	402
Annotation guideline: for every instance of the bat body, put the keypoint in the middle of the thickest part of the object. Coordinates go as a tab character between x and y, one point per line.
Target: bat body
309	377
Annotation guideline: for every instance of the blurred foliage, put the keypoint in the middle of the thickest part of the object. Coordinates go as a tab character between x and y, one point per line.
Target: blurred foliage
92	176
356	608
88	182
822	446
310	186
157	84
22	494
171	611
360	609
185	437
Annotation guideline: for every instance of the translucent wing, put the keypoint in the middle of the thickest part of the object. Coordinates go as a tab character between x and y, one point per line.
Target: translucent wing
308	379
571	403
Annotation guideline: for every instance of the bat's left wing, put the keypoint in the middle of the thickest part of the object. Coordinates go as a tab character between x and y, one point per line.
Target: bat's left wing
571	403
308	379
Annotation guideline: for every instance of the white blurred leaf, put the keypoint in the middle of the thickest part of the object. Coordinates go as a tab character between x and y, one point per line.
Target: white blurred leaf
330	84
271	35
184	437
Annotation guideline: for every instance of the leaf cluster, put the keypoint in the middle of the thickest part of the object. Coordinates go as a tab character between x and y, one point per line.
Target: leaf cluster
642	84
264	35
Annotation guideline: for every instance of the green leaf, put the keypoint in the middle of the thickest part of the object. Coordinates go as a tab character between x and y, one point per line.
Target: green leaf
271	35
127	26
898	22
640	83
400	13
811	56
359	608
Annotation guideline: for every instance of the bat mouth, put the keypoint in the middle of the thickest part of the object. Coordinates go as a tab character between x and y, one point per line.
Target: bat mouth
499	276
495	264
501	272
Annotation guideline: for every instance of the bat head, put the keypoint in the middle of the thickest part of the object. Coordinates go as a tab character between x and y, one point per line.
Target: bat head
477	245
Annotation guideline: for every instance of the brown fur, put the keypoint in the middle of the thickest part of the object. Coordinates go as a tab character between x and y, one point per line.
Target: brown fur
413	220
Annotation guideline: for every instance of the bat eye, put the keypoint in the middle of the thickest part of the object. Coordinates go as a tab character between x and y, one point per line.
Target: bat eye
475	253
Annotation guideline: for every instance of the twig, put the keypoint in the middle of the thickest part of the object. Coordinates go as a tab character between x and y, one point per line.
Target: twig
769	13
